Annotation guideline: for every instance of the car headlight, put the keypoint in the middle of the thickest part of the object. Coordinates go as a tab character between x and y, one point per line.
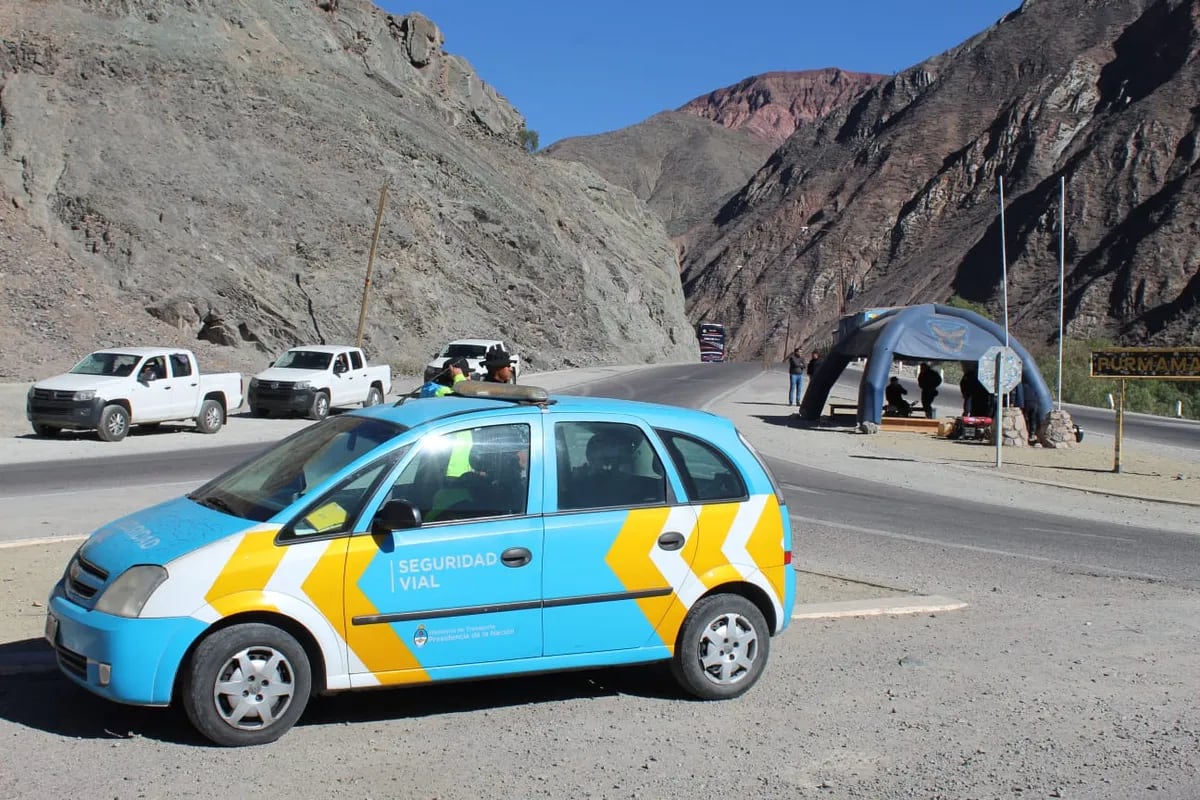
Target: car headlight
254	383
303	385
126	596
86	394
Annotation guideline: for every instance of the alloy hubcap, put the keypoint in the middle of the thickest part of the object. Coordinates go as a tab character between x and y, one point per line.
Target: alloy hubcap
728	648
254	688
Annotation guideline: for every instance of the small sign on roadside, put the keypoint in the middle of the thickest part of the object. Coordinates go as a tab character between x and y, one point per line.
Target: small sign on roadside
1166	363
1010	369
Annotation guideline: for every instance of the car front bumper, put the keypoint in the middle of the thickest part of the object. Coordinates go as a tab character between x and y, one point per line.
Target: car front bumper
64	413
131	661
291	400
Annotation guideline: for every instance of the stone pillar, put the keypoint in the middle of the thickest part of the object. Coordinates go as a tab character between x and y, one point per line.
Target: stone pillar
1013	428
1057	430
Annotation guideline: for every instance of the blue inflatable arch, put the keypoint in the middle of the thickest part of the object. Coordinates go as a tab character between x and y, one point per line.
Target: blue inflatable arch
916	333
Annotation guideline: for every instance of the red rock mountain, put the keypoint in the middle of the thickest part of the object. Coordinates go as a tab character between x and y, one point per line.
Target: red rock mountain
771	106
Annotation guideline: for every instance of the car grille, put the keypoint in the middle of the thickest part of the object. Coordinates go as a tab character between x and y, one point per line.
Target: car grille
279	389
72	662
83	580
53	394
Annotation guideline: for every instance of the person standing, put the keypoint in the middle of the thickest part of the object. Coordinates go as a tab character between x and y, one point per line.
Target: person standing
498	364
795	377
928	380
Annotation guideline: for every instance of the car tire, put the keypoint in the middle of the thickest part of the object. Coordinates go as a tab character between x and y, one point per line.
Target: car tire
45	431
320	407
374	398
722	647
114	423
211	417
246	685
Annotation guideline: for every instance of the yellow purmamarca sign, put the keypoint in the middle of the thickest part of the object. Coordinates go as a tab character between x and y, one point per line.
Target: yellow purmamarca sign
1168	363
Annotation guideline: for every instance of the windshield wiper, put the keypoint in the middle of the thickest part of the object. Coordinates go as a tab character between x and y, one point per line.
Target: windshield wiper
214	502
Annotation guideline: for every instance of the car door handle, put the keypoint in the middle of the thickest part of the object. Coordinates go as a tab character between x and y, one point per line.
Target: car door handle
671	540
516	557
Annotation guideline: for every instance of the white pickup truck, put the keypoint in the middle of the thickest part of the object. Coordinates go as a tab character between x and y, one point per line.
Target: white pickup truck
473	350
312	379
110	390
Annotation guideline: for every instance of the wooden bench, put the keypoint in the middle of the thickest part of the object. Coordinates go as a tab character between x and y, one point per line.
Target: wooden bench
845	409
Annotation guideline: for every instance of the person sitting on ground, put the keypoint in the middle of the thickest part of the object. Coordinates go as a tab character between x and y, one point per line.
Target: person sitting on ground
894	393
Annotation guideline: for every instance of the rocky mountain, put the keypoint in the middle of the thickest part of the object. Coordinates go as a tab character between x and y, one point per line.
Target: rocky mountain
894	198
683	167
210	173
686	164
771	106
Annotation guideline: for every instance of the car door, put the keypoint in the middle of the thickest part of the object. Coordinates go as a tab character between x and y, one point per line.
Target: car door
346	388
150	395
460	594
181	387
617	543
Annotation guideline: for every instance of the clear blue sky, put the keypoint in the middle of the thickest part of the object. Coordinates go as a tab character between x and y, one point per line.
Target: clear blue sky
577	67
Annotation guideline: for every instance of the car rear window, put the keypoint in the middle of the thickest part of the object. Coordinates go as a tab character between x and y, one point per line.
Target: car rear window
707	473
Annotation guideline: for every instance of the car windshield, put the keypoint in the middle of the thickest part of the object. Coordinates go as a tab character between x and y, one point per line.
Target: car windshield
119	365
304	359
263	486
464	351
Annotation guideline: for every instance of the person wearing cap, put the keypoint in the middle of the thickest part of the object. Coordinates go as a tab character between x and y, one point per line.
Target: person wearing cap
454	371
498	364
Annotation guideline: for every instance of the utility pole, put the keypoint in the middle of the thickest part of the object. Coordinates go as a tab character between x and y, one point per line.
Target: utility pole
362	314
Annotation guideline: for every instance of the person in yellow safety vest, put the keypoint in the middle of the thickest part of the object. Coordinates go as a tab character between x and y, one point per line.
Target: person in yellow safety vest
454	371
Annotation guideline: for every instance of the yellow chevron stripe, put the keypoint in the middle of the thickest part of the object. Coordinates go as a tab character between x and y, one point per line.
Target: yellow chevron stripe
377	646
323	586
629	559
715	523
249	569
765	546
231	604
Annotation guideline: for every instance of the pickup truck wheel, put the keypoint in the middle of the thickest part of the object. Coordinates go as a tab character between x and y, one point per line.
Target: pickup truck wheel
211	417
246	684
374	398
114	423
47	431
722	647
320	407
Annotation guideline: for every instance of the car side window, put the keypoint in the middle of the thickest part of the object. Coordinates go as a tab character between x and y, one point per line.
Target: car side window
356	359
606	464
707	473
181	365
468	474
155	369
337	509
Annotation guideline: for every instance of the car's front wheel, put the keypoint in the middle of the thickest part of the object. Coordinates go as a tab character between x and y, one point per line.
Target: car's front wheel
374	398
320	407
722	647
46	431
246	685
114	423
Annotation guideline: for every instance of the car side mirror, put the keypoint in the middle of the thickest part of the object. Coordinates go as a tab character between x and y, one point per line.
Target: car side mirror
395	515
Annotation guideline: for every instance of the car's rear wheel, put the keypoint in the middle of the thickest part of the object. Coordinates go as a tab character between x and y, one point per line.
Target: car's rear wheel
211	417
722	647
114	423
320	407
374	398
246	685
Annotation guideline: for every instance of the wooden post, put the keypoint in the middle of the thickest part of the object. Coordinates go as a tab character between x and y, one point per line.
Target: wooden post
362	314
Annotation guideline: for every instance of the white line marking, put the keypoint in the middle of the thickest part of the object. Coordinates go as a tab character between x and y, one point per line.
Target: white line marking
975	548
42	540
123	488
874	608
1073	533
792	488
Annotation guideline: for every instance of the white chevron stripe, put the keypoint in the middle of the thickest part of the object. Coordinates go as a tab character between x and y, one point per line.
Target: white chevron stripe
191	577
743	524
297	564
670	562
